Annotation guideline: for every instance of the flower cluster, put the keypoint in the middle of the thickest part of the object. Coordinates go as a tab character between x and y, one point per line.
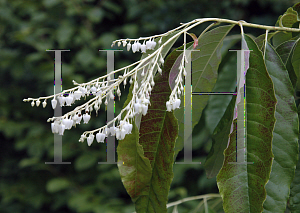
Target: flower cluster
137	46
148	66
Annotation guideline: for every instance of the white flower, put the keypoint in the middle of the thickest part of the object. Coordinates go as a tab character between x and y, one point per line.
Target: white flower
148	45
118	133
100	137
177	103
134	47
38	103
138	46
86	118
90	139
113	130
128	46
54	127
153	44
69	99
124	43
53	103
77	94
79	118
62	100
61	129
169	107
137	108
143	48
144	109
106	131
93	90
68	123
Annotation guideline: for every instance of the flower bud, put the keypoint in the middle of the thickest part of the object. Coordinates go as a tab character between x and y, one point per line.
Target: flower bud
53	103
44	103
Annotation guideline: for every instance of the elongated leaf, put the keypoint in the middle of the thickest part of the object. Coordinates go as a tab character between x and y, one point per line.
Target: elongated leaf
242	185
285	51
215	158
295	60
153	156
295	186
226	82
285	135
204	75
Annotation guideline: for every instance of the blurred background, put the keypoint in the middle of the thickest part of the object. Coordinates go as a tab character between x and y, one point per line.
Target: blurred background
27	29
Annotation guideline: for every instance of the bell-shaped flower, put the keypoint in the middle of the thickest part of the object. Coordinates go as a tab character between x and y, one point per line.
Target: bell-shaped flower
169	106
79	118
153	44
69	100
144	109
177	103
86	118
143	48
148	45
134	47
138	46
106	131
118	133
62	100
77	94
38	103
123	133
93	90
61	129
137	108
53	103
54	127
112	130
83	91
68	123
90	139
100	137
127	127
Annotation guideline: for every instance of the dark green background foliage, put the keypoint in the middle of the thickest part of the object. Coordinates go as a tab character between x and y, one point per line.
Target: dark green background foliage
27	29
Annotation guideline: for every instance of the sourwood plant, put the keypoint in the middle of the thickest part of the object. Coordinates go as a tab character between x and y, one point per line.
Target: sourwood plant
150	127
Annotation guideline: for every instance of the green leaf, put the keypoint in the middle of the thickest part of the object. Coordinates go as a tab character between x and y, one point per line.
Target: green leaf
285	135
57	184
295	186
296	7
226	82
215	158
242	185
288	19
295	61
85	161
148	153
204	76
285	51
